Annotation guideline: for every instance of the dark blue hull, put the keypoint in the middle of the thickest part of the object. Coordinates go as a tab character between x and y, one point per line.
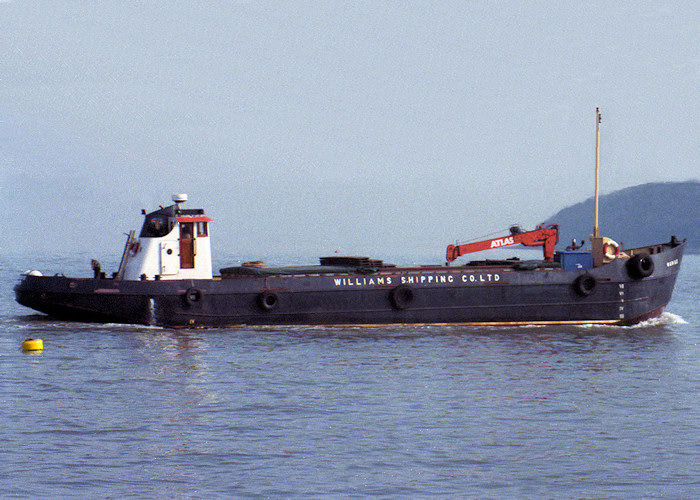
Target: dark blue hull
489	294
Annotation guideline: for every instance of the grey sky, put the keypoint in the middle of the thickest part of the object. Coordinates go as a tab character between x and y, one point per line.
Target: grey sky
366	127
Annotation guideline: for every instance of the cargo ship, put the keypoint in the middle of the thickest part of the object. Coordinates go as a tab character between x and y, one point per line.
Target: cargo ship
165	278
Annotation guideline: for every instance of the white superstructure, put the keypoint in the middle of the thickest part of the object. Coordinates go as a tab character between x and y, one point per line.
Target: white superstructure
173	244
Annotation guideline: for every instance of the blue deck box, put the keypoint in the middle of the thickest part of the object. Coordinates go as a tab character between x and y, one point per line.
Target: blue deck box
574	260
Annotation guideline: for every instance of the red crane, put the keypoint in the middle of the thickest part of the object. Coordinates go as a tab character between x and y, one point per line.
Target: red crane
542	236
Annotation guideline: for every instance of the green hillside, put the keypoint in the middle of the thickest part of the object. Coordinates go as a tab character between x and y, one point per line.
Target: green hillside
638	216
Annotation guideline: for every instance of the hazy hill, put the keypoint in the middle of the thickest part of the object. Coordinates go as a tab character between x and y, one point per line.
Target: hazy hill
637	216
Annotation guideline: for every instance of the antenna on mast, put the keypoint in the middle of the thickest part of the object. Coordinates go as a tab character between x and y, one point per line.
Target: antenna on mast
597	170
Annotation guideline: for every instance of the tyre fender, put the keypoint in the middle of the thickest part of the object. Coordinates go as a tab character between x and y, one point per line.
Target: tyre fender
268	300
401	297
640	266
193	296
585	285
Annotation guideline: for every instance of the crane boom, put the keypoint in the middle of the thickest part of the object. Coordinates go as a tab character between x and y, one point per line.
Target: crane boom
544	236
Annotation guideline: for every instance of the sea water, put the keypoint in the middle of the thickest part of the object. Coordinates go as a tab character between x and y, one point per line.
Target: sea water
407	412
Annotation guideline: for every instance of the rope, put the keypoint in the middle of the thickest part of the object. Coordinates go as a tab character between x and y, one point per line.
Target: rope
487	236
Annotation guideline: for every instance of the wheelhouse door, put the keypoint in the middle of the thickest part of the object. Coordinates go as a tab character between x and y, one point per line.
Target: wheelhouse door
187	245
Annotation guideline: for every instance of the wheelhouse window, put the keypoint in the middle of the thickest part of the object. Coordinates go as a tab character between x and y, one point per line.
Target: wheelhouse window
186	231
155	227
202	229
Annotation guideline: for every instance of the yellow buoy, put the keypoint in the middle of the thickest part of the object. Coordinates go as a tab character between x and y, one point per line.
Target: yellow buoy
33	345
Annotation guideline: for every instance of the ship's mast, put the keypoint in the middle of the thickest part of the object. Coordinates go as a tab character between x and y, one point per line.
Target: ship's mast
597	169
